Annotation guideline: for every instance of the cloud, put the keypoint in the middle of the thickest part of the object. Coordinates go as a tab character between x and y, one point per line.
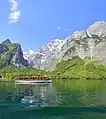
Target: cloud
15	13
66	29
58	27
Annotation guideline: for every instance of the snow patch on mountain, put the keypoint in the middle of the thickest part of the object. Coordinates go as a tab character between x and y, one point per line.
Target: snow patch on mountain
45	58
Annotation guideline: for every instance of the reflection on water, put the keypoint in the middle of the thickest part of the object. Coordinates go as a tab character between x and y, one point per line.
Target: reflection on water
85	97
42	95
36	95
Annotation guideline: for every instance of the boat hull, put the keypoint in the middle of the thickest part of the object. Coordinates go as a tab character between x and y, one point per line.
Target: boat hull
33	81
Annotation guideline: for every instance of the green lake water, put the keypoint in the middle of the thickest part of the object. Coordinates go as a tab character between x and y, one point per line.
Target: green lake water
63	99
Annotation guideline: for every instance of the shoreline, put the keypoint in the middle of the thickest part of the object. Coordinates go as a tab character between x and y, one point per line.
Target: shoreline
54	78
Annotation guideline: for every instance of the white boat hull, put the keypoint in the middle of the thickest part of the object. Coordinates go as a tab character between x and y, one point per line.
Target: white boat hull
33	81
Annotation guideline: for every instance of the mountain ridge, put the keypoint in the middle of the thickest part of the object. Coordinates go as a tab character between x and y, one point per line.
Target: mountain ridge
83	43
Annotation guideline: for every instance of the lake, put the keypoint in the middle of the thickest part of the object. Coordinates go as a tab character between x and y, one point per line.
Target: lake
63	99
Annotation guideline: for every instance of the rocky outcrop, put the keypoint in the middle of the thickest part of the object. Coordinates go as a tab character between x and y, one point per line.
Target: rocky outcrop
11	54
98	28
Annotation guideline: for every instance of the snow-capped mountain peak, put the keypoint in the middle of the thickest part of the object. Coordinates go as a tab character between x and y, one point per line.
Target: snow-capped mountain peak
45	56
31	51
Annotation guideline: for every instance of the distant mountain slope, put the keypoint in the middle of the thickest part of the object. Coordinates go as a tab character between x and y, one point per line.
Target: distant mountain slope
45	58
11	54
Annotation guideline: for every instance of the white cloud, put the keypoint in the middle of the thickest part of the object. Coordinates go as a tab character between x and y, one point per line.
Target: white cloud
15	13
14	17
66	29
58	27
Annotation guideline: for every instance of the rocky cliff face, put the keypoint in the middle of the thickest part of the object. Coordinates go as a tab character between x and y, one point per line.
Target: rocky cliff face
98	28
86	43
11	54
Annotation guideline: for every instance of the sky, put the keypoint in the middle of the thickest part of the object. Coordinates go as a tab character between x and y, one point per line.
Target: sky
33	23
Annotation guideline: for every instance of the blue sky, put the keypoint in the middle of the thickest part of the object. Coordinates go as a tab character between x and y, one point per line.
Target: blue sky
39	20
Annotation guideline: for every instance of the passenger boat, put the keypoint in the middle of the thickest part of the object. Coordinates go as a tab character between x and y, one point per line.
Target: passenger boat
33	79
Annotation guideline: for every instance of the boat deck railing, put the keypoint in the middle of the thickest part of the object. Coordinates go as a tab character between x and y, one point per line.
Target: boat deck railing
33	77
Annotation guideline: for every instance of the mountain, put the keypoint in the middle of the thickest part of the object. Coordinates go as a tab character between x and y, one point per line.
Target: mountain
86	43
90	43
46	57
11	54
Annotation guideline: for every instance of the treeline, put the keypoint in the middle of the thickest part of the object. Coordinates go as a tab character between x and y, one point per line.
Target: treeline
74	68
10	73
